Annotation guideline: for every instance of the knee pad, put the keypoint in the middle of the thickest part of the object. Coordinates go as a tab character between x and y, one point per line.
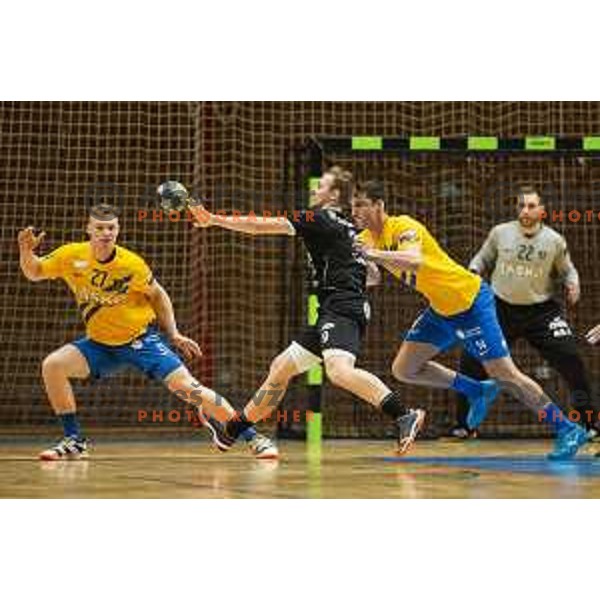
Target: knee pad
301	358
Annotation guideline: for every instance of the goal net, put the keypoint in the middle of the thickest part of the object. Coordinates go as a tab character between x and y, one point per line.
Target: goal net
460	196
243	297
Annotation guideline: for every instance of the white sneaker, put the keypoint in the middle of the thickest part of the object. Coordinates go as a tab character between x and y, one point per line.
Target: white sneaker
66	449
262	447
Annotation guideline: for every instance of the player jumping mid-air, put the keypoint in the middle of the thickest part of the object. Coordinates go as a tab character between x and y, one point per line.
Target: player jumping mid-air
120	301
340	273
461	311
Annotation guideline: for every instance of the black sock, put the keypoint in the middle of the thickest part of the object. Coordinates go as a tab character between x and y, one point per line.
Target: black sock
238	425
392	406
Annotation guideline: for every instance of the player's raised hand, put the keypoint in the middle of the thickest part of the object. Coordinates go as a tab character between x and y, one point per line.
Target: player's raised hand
593	335
188	347
28	240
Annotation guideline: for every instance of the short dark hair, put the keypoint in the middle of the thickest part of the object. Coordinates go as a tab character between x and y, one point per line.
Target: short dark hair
372	189
528	189
104	212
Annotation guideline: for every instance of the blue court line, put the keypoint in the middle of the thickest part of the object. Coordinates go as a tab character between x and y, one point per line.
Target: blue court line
582	466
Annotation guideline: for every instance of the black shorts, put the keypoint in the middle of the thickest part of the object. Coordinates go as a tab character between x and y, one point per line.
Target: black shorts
543	325
332	332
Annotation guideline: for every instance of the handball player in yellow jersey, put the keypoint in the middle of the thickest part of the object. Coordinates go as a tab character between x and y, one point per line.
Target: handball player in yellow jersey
119	301
461	311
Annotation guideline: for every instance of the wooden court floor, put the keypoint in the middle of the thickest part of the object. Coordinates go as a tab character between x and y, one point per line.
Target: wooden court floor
344	469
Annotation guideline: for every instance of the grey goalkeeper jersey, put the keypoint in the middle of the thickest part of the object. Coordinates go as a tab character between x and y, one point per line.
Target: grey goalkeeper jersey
525	270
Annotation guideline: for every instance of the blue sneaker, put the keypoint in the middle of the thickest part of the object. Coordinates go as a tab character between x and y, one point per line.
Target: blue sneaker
480	405
568	442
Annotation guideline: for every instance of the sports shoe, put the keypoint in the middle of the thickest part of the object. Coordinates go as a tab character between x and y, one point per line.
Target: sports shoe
480	405
568	442
409	426
69	448
221	439
262	447
594	437
462	433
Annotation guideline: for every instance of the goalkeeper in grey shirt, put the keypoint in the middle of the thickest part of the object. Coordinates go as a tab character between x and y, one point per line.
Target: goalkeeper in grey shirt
527	262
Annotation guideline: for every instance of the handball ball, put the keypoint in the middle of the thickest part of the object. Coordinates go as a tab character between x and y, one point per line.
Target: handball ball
173	195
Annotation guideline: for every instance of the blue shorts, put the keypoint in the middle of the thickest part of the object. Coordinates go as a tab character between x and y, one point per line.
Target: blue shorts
149	353
477	329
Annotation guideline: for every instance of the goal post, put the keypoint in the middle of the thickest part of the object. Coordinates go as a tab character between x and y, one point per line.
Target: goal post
461	186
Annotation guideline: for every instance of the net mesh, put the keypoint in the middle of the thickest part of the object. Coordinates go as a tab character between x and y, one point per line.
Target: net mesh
243	297
460	199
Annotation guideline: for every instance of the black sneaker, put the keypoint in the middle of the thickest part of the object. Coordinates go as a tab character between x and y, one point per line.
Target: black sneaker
221	439
409	426
69	448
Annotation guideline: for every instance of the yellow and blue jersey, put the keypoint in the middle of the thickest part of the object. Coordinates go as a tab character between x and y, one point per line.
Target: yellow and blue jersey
111	295
450	288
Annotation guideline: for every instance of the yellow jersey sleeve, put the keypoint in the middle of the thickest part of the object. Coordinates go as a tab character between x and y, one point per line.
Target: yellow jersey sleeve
55	264
406	233
142	276
448	286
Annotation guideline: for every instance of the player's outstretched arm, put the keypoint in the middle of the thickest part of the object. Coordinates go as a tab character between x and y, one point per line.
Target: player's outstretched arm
251	224
163	307
30	263
409	259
